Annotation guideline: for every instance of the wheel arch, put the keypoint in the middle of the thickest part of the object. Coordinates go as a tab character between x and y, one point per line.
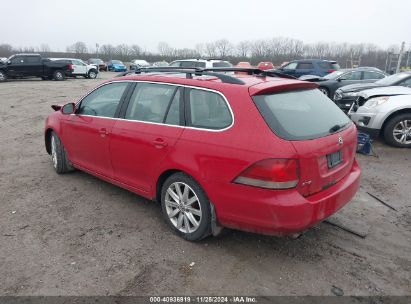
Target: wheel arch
47	139
389	117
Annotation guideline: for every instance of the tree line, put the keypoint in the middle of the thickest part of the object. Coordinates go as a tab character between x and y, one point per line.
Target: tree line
276	50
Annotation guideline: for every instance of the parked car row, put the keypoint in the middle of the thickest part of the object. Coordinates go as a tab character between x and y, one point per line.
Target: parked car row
33	65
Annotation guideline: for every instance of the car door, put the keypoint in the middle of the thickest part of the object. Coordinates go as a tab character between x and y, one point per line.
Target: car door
305	68
150	128
33	66
16	66
79	68
86	133
350	78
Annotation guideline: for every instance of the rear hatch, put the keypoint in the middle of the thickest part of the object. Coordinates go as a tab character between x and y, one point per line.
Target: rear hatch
323	136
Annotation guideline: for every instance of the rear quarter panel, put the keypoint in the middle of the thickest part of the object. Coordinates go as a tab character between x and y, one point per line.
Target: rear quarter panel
216	158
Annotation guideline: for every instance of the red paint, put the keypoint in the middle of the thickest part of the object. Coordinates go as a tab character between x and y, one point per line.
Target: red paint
134	154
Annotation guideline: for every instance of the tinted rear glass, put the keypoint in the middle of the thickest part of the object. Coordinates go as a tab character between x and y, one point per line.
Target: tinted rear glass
299	115
329	65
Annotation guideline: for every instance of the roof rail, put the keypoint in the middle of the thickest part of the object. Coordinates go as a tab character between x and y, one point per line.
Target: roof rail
189	73
216	72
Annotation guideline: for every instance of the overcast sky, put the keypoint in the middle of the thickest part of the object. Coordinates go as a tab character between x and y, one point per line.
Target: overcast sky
184	23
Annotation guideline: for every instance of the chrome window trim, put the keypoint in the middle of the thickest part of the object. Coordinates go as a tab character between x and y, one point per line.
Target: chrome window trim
163	124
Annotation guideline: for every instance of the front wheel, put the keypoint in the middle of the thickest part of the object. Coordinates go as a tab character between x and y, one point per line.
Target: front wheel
61	163
92	74
59	75
3	76
186	207
397	131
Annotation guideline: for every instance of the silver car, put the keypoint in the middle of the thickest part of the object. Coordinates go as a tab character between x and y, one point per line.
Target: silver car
384	111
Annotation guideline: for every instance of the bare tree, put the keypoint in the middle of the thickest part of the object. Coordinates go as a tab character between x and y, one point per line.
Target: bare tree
79	48
210	49
165	49
107	50
243	48
135	50
6	50
223	48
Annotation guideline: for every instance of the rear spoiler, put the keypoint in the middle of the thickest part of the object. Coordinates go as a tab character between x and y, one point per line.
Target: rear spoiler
268	88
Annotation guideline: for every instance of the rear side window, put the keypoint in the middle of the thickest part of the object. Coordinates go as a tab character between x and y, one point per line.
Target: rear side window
208	110
305	66
299	115
372	75
150	102
103	101
328	65
32	59
222	64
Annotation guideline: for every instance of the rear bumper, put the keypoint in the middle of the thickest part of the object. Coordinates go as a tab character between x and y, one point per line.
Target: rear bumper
282	212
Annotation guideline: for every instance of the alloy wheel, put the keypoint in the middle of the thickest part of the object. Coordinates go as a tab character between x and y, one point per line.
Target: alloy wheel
402	132
183	207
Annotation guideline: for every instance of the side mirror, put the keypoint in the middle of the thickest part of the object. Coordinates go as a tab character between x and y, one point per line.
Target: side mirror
68	108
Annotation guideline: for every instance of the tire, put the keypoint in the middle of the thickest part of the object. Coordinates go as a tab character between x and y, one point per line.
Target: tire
191	221
92	74
3	76
325	91
61	163
59	75
397	131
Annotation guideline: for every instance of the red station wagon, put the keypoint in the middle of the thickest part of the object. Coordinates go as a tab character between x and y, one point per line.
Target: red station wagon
252	152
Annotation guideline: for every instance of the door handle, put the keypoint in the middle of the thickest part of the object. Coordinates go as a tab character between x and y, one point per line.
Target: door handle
103	132
159	143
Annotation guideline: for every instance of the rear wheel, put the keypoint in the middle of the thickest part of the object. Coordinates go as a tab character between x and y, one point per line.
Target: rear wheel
397	131
3	76
59	75
186	207
324	91
61	163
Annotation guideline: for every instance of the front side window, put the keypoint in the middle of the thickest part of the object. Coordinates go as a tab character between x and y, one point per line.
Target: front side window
17	60
351	76
103	101
208	110
291	66
150	102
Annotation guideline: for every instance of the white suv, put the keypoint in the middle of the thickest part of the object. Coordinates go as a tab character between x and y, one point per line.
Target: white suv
80	68
201	63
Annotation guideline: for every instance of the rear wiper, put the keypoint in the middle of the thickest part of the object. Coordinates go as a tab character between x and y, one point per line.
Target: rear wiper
337	127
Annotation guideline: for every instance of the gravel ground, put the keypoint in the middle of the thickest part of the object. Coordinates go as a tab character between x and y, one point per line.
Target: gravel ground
74	234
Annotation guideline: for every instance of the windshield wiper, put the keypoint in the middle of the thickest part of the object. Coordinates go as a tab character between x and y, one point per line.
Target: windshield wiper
337	127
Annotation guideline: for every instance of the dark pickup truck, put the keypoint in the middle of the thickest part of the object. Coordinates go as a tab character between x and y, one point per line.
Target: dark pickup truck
33	65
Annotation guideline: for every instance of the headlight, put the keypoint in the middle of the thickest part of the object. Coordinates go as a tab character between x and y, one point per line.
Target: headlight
351	94
375	102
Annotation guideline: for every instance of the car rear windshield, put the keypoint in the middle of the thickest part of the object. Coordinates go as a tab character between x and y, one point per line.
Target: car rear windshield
299	115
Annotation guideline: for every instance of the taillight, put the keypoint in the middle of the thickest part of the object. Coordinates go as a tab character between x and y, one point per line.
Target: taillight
70	66
330	71
271	173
